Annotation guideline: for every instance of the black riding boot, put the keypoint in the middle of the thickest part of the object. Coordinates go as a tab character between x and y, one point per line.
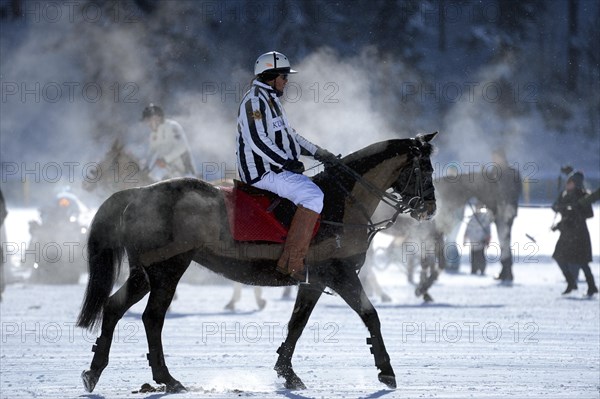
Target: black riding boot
589	278
571	280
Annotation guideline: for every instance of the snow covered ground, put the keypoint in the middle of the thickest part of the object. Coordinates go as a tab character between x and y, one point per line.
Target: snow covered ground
477	340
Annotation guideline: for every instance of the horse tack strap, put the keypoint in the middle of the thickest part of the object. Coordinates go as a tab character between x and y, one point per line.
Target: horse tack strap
102	344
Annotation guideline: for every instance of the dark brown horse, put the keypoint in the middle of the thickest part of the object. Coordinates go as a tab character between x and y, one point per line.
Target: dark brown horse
164	226
118	170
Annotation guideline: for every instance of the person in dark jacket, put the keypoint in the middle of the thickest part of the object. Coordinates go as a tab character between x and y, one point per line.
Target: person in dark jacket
574	248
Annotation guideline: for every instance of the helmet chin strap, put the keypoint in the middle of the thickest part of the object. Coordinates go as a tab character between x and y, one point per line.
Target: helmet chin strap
278	93
271	84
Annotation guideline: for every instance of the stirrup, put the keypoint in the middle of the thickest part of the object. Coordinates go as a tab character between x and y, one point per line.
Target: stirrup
302	278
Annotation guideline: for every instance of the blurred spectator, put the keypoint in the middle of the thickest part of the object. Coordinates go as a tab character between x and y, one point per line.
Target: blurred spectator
427	245
574	248
3	213
477	236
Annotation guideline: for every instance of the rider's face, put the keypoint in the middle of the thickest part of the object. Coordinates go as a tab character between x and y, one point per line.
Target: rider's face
153	122
280	82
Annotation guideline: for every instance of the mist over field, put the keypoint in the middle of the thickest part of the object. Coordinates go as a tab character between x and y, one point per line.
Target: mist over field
515	75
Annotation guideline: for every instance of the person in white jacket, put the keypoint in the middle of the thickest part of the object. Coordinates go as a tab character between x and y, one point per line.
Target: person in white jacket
268	151
477	236
169	151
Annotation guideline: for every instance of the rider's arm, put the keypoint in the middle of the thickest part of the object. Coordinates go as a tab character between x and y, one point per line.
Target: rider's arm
176	145
305	144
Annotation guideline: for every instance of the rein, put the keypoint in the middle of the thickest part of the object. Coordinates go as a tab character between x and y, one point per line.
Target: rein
394	200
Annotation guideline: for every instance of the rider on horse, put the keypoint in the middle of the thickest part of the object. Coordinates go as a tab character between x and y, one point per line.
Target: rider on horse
268	151
170	154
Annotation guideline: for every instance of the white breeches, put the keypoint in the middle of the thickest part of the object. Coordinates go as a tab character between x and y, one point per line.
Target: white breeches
296	187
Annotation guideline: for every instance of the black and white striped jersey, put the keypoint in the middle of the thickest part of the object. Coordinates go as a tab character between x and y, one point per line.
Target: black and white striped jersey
265	138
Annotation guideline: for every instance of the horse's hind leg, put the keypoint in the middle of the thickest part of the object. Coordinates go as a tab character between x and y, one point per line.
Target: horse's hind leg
260	301
237	294
429	275
130	293
347	285
164	277
306	300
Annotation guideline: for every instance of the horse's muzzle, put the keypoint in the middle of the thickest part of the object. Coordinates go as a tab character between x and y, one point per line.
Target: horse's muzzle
424	212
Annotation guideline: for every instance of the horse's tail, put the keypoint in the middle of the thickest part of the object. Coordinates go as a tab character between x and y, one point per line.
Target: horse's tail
105	253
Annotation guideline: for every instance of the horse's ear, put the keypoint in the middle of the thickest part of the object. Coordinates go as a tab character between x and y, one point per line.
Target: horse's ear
117	145
428	137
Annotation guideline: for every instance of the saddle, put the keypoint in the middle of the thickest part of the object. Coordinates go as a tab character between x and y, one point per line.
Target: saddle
258	215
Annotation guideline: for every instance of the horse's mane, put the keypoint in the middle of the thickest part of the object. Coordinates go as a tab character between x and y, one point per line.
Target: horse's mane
382	150
368	157
336	182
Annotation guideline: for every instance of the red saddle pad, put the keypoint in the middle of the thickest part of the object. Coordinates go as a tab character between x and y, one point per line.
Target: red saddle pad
250	218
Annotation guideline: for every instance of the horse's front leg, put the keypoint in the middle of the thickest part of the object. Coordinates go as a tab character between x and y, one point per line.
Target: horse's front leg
347	285
307	298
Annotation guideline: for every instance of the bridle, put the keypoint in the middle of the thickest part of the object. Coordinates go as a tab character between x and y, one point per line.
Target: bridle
395	199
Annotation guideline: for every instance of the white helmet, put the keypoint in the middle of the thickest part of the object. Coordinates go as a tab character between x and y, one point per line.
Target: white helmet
272	61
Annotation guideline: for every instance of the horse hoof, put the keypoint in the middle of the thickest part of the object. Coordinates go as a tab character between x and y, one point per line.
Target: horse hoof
89	378
294	383
427	297
389	380
261	304
175	387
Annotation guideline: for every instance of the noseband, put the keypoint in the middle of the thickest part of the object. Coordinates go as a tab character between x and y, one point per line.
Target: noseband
416	204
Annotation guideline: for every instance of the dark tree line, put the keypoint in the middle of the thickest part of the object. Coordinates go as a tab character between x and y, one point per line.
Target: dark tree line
436	40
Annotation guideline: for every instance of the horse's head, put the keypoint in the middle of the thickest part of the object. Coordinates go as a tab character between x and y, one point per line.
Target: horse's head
415	183
118	170
94	175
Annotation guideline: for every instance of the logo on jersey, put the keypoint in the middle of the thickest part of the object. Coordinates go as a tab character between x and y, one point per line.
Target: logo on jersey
278	123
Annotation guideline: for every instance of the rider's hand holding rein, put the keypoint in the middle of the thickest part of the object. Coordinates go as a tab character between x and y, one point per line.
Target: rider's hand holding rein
326	157
293	166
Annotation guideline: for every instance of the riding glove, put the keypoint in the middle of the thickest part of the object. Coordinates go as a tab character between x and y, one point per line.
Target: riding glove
322	155
293	166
